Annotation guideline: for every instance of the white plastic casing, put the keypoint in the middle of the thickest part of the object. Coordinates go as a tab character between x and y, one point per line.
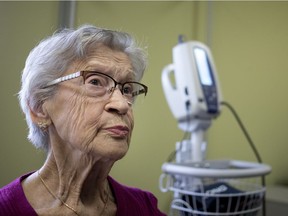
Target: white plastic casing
185	93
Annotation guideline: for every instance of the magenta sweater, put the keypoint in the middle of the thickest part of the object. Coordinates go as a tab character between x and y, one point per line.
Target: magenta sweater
130	201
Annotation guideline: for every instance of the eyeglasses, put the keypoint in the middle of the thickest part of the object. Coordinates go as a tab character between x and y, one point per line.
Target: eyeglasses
99	85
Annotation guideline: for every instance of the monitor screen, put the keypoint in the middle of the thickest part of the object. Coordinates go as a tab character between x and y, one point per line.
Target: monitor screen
203	66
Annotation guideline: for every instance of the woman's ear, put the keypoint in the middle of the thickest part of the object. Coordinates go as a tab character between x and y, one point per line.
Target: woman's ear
40	117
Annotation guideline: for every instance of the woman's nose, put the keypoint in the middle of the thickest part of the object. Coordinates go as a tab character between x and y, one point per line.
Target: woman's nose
117	103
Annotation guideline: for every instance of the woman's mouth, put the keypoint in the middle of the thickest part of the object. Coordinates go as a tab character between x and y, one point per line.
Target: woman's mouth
118	130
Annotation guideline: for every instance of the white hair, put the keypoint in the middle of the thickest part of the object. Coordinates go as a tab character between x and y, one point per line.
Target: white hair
52	57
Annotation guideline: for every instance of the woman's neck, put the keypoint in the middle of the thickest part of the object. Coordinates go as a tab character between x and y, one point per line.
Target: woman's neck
75	179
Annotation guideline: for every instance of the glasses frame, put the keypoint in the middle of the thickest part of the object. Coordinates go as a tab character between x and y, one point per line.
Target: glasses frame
84	72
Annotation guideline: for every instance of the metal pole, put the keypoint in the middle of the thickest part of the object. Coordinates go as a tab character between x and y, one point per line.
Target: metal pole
209	23
67	11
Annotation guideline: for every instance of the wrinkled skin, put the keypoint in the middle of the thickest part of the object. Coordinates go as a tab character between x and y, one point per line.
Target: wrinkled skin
81	121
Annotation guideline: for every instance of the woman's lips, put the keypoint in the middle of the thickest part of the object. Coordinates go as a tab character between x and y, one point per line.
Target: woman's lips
118	130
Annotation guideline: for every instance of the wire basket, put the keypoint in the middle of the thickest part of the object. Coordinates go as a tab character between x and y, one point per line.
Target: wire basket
215	188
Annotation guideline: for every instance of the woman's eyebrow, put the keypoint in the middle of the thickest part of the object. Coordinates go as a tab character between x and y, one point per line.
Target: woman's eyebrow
131	76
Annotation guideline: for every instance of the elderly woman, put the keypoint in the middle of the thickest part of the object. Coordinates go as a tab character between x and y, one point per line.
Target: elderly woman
78	92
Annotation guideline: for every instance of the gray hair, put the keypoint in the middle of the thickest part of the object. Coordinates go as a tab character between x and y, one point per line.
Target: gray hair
52	57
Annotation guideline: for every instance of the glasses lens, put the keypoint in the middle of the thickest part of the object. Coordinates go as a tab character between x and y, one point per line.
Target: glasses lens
98	85
133	90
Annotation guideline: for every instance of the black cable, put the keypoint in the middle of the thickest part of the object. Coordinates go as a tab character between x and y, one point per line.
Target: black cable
244	130
250	141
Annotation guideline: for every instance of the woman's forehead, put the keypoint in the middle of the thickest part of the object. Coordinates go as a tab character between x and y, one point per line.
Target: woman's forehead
111	62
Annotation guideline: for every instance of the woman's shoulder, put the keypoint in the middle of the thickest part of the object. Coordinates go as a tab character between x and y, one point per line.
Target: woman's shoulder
10	191
134	201
13	200
121	189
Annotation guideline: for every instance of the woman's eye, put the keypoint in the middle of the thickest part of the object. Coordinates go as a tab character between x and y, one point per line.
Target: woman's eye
96	82
128	89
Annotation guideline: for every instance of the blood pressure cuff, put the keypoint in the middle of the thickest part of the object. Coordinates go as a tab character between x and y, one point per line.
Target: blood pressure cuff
231	199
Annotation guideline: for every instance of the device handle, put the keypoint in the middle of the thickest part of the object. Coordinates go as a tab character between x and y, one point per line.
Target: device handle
166	82
170	90
164	187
